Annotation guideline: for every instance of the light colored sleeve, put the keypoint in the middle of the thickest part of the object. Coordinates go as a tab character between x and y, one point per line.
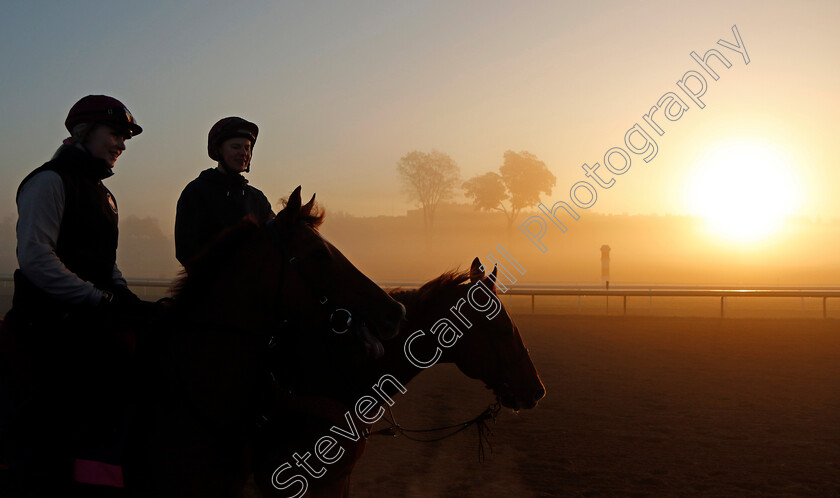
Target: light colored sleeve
40	210
117	277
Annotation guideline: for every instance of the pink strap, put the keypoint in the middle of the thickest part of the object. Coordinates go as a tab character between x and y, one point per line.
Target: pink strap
99	473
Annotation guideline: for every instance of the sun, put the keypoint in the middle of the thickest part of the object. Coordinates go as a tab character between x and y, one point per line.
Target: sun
744	191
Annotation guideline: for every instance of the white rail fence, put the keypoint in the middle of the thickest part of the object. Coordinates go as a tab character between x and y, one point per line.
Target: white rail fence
593	291
723	294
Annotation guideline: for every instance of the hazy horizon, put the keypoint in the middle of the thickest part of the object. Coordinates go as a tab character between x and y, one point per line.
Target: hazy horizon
645	249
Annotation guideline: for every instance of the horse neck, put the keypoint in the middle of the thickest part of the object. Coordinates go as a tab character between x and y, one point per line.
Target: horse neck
224	301
419	316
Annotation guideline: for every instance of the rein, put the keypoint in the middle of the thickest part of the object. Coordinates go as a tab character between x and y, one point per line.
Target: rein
479	421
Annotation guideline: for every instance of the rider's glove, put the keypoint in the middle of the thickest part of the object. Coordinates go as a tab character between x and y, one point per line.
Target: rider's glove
119	300
124	295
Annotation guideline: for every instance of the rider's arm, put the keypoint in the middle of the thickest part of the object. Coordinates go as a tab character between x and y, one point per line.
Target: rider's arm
266	213
189	222
40	210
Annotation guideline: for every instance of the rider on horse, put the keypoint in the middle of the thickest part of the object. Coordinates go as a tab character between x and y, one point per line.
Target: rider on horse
220	197
71	303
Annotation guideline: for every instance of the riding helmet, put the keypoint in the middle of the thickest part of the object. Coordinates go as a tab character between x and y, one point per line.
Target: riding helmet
102	109
230	127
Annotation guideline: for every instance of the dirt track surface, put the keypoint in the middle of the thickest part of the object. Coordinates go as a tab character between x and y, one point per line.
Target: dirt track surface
635	407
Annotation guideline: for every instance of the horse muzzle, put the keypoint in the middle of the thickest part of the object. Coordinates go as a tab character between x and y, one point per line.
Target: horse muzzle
516	400
387	325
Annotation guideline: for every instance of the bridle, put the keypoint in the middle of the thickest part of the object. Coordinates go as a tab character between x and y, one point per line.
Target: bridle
340	318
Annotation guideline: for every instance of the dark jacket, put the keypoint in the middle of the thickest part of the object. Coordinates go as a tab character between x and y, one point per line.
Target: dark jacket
88	234
68	354
211	203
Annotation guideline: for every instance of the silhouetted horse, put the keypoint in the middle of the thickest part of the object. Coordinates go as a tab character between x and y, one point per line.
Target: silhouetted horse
205	376
313	445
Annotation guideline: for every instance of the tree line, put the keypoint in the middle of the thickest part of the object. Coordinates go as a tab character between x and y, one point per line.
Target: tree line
431	177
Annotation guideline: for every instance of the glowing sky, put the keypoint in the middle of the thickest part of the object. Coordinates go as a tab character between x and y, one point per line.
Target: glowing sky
342	90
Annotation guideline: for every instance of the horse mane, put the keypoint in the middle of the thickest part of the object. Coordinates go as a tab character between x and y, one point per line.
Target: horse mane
205	266
418	299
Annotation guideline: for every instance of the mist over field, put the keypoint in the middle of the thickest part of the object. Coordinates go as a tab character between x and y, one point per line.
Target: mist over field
644	249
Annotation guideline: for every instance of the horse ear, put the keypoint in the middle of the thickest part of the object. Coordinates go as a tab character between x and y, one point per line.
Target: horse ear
293	205
476	270
290	212
307	208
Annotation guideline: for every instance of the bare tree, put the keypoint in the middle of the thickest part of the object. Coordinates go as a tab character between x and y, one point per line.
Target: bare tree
428	178
522	180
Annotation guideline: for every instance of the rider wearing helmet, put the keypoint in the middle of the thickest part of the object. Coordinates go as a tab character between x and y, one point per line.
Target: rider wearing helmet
220	197
71	305
67	219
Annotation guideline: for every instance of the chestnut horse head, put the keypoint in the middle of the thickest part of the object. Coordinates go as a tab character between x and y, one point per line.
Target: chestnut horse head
494	352
458	318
